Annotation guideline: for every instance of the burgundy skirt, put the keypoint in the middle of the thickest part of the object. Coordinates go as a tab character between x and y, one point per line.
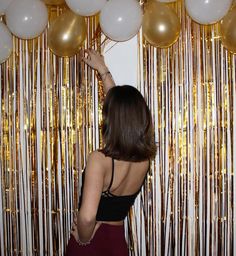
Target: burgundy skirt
109	240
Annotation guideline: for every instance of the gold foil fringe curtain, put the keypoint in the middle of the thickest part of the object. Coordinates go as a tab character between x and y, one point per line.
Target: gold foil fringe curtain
50	111
188	204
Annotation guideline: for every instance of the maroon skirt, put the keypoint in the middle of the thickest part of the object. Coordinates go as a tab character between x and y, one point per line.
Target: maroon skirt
109	240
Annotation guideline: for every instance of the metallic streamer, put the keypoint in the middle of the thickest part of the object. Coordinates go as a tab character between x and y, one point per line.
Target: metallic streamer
47	107
50	112
192	180
1	175
234	153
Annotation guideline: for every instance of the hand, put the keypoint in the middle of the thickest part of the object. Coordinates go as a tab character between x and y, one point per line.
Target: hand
74	230
95	60
97	226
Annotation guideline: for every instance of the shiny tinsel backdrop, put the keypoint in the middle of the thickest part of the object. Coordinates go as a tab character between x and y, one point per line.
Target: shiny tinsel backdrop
50	112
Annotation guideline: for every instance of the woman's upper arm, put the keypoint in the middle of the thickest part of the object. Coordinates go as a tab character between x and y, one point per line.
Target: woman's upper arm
93	186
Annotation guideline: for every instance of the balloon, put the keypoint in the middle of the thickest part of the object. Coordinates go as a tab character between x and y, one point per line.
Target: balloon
207	11
54	2
27	19
6	43
228	30
86	7
66	34
3	5
121	20
161	25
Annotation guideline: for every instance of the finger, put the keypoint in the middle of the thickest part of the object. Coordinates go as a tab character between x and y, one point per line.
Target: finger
89	52
96	53
93	51
81	52
73	234
74	230
87	61
81	55
87	56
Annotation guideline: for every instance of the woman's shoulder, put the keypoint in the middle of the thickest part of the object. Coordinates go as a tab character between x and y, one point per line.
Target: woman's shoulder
98	158
97	155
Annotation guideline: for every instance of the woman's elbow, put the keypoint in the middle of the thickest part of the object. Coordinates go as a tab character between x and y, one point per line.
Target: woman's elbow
86	218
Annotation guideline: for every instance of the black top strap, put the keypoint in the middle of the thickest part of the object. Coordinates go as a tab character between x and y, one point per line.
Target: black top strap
112	176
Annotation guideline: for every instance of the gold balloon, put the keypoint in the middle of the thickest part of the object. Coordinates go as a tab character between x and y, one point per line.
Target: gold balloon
54	2
66	34
161	25
228	30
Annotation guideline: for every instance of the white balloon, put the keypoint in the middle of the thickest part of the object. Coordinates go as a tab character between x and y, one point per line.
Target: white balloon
120	20
3	5
86	7
27	19
6	43
207	11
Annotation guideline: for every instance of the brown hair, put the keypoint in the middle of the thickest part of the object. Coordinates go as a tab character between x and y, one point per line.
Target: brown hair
127	125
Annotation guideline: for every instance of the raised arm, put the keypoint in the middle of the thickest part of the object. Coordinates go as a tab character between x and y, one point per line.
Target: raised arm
96	61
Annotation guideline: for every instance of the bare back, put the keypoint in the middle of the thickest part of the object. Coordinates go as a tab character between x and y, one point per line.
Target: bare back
128	176
110	187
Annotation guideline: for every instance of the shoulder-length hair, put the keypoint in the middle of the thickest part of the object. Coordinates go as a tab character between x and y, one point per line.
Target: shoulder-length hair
127	128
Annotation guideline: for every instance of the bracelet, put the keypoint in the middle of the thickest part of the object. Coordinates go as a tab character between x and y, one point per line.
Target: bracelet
83	243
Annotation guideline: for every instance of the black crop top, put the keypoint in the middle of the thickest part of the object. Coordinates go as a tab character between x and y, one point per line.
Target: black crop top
112	207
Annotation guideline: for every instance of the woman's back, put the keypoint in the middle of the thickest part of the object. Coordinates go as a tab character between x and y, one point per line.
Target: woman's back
127	176
122	181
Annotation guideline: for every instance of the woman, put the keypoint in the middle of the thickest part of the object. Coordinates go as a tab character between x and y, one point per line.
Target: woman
114	174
